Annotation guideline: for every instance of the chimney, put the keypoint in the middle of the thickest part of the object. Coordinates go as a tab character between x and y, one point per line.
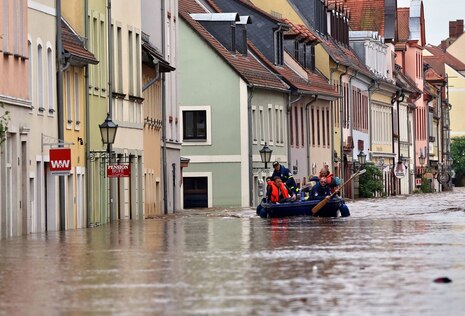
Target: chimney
459	28
452	25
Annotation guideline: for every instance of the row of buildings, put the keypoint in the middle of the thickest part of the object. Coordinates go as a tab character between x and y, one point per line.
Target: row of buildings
68	66
320	83
198	87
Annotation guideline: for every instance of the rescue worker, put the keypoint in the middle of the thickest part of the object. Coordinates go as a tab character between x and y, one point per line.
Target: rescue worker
286	176
278	192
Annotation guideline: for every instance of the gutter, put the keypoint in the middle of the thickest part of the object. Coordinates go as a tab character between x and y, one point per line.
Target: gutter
332	71
87	131
315	98
370	117
341	123
249	128
289	106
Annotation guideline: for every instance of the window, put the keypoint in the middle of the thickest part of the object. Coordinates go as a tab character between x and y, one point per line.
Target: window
119	68
50	75
29	52
254	124
40	79
77	93
131	63
270	123
194	125
67	89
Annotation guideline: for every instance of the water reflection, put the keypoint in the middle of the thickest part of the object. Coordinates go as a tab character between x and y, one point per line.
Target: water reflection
231	262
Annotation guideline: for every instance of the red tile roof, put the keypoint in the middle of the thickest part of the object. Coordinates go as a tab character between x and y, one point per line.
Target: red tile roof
366	15
442	57
72	44
300	30
403	15
313	84
247	67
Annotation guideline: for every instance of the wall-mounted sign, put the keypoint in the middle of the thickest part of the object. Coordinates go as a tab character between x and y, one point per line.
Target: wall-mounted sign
119	171
399	170
60	161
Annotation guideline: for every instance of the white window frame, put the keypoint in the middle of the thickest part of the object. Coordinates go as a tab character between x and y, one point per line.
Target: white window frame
207	109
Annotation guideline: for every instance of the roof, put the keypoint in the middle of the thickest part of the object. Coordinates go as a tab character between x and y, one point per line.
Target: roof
300	30
312	84
440	58
248	67
152	51
72	44
405	81
432	75
366	15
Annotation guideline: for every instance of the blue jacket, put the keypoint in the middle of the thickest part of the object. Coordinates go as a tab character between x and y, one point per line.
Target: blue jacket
318	192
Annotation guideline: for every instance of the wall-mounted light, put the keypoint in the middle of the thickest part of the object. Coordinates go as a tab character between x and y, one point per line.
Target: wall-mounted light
80	141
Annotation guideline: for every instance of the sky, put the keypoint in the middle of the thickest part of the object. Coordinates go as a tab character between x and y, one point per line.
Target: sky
438	13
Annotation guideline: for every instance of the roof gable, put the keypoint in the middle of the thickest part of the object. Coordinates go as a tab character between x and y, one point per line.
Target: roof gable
247	67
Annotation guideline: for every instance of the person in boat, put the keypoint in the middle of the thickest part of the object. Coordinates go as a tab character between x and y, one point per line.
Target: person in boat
279	193
285	175
322	190
333	183
269	183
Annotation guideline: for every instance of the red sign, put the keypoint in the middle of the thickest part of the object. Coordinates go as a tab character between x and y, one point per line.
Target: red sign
118	171
60	161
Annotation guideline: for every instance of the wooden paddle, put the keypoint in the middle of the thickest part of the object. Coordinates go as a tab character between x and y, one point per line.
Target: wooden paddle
323	202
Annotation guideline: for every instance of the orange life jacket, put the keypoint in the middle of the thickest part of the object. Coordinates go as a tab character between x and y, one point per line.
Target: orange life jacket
275	193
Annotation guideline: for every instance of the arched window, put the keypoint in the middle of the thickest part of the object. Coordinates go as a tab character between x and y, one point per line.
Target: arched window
40	78
50	90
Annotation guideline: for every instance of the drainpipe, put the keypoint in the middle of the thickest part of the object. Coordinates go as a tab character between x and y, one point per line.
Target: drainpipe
110	100
154	80
163	114
315	97
60	110
250	88
332	71
370	117
341	125
399	97
87	131
280	27
289	105
351	118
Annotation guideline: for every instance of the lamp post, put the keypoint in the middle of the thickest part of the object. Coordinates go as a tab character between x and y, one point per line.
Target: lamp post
265	155
421	159
108	133
362	158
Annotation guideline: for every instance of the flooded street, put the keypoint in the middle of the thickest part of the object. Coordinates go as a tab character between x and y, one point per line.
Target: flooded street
380	261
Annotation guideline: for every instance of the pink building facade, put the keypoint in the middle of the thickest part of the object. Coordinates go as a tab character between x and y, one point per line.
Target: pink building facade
14	98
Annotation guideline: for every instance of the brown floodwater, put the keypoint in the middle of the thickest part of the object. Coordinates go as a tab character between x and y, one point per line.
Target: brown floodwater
380	261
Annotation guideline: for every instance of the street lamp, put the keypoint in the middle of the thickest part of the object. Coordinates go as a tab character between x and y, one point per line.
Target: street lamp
265	154
362	158
421	159
108	132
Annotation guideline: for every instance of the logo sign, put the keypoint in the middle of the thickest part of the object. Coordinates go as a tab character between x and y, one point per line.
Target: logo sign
118	171
60	161
418	181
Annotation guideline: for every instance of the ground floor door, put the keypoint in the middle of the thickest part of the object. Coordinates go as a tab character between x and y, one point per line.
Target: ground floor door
195	192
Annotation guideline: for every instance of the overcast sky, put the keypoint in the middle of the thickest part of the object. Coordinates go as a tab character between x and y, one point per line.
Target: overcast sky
438	13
